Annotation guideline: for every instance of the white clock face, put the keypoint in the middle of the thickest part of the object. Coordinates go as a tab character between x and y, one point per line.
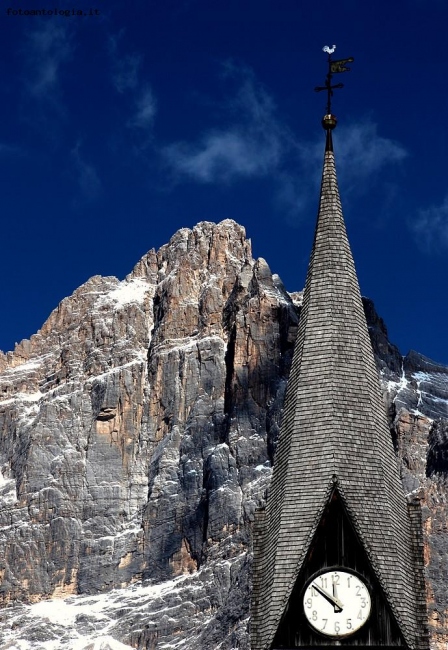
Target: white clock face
336	603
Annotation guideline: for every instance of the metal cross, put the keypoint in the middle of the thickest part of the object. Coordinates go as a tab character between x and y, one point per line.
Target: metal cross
333	67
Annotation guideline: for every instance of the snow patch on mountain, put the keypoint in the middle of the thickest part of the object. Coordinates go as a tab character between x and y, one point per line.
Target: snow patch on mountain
25	366
23	397
8	495
395	387
432	389
128	291
92	622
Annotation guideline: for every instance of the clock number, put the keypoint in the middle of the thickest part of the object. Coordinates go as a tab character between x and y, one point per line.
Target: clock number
358	590
325	621
359	617
313	592
309	603
337	627
363	602
314	615
323	582
349	624
336	579
348	581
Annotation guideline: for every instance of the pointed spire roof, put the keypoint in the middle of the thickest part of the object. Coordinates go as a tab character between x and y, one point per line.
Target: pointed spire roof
334	432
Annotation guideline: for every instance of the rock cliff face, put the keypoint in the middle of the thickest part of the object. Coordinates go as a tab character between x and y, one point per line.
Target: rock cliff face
137	432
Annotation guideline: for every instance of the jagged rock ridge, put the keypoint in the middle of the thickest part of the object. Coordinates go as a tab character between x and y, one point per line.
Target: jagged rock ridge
137	430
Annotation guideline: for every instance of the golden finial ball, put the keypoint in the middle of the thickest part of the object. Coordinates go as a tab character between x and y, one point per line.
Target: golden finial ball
329	122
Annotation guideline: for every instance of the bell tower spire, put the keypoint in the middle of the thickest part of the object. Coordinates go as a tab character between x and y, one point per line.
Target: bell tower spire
337	554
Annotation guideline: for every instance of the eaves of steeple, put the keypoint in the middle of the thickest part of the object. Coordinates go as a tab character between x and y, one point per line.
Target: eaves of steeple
334	428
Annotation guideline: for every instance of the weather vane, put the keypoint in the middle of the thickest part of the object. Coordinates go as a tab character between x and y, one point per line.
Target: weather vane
333	67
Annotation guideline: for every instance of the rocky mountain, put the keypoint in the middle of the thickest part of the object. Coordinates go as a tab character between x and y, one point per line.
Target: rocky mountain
137	433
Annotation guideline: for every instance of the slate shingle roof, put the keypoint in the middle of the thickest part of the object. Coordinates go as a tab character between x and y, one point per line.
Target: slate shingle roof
334	424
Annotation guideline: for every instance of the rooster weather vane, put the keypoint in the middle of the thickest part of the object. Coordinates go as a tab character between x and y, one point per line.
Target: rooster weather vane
333	67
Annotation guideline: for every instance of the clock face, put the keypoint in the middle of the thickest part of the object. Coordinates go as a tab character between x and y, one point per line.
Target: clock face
336	603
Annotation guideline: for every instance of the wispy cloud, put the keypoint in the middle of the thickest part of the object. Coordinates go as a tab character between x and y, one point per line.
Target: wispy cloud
252	144
126	73
145	110
363	153
48	48
87	178
255	142
361	157
430	227
222	156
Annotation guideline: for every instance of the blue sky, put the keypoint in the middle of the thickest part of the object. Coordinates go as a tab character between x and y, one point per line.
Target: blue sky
119	128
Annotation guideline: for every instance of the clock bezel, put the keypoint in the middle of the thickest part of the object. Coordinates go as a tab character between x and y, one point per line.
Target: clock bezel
331	569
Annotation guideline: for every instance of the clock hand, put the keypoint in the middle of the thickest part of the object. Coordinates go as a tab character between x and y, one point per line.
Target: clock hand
335	595
331	599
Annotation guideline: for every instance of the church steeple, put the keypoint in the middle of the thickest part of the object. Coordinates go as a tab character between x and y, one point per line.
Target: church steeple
336	501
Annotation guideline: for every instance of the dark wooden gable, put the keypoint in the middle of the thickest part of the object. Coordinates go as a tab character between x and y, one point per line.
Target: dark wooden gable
336	544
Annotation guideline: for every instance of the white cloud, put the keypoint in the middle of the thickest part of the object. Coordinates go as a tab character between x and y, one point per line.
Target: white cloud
223	156
362	152
361	155
48	48
255	143
145	110
430	228
126	78
252	145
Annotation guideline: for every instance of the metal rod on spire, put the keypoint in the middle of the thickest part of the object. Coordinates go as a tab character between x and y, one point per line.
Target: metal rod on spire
329	120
